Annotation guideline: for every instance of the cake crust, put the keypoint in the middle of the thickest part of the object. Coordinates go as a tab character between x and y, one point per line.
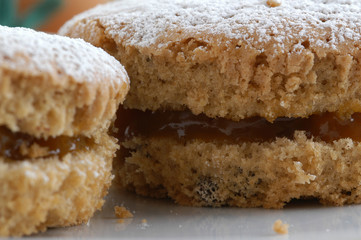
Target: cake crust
233	59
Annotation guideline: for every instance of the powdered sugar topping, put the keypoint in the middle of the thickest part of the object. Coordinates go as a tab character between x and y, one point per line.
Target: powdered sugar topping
323	23
36	53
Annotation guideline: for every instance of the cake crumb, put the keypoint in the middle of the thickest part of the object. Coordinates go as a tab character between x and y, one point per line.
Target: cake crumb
120	221
274	3
33	151
144	224
280	228
122	212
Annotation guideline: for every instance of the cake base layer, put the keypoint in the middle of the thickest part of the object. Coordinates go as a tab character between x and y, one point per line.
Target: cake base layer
53	191
268	174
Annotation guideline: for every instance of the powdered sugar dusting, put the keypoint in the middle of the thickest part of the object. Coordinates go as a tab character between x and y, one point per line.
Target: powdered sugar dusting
34	52
323	23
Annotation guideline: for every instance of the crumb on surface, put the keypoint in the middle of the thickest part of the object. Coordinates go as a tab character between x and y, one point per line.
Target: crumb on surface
122	212
280	227
120	221
144	224
274	3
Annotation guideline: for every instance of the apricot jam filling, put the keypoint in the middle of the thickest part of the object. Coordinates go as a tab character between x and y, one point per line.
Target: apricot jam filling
19	146
184	125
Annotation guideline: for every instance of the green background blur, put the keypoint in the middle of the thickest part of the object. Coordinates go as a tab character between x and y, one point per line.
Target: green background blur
32	18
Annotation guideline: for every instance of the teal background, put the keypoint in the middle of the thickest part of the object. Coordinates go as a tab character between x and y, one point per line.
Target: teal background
33	18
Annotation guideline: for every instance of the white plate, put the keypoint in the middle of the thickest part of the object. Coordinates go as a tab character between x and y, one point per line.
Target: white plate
307	220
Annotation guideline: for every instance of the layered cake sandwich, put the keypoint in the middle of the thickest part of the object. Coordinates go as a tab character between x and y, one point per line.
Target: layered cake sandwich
248	103
58	97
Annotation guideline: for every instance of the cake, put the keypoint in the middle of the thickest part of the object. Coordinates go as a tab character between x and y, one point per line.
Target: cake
58	98
246	103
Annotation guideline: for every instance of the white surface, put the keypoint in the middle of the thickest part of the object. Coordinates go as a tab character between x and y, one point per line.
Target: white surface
308	220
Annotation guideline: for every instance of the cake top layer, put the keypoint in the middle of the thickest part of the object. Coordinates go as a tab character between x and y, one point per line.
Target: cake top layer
35	53
255	22
233	58
52	85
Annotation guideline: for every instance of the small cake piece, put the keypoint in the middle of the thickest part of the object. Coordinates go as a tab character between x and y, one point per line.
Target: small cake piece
144	224
58	97
274	3
280	227
236	102
122	212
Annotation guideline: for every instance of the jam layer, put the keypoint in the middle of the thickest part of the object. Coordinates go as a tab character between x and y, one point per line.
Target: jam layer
184	125
19	146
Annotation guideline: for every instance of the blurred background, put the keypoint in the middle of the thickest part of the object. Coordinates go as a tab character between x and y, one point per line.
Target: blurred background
43	15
